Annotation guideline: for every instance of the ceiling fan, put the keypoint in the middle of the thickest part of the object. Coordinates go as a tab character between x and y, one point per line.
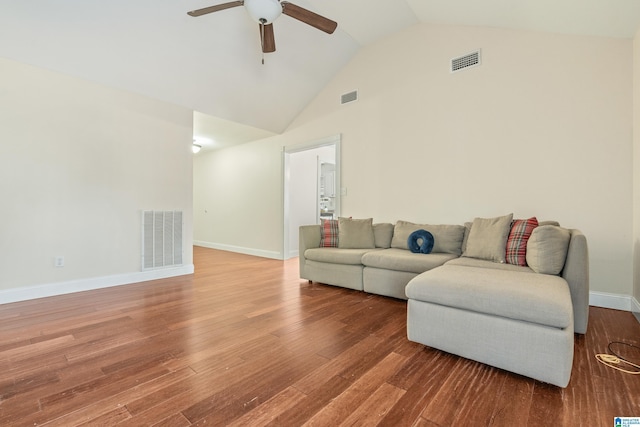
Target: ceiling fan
264	12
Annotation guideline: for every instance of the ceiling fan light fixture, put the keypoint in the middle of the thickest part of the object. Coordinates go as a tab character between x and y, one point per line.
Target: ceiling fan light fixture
263	11
196	148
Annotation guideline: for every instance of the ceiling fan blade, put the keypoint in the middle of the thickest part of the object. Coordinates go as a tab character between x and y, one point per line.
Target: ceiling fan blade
308	17
267	38
211	9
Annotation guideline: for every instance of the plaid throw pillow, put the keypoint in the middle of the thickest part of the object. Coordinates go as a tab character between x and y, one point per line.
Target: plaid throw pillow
329	236
517	242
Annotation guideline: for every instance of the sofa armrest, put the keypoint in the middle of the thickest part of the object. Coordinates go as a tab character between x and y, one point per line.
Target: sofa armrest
309	237
576	273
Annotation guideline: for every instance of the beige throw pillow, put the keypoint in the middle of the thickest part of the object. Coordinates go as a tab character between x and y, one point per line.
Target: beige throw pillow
488	238
547	249
382	234
355	233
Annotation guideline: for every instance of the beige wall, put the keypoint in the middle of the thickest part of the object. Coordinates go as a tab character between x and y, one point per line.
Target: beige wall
78	164
636	168
238	199
542	127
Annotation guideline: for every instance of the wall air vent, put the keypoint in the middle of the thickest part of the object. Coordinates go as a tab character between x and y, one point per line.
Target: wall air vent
349	97
161	239
466	61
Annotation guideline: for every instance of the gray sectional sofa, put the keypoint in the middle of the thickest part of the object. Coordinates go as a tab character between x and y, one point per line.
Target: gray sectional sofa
464	297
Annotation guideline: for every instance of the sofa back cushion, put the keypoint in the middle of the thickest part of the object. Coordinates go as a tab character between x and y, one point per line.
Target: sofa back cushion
356	233
447	238
488	238
382	234
547	249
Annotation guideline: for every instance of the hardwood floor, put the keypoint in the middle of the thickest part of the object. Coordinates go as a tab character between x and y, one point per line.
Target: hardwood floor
244	341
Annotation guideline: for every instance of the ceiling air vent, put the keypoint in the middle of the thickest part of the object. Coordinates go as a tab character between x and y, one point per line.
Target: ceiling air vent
466	61
349	97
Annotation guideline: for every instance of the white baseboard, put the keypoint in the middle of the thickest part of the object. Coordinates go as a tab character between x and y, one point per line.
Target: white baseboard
614	301
635	308
80	285
239	249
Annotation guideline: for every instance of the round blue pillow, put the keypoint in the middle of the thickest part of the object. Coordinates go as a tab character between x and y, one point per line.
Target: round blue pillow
425	247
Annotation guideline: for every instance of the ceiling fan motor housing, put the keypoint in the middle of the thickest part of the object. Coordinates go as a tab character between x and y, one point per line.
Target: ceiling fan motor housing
263	11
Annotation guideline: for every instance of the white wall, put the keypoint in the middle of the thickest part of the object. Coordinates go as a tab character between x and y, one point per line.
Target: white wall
303	194
303	189
238	199
78	164
542	127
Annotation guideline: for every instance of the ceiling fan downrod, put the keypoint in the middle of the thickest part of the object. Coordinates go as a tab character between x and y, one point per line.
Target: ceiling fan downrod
262	22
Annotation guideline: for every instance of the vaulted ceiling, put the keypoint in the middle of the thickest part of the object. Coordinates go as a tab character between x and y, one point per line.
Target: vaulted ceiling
212	64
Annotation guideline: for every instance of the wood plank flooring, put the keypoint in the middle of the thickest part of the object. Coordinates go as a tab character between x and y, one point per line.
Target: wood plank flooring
245	342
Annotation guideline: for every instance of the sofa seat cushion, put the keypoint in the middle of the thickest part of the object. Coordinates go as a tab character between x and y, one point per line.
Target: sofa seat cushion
337	255
483	263
404	260
530	297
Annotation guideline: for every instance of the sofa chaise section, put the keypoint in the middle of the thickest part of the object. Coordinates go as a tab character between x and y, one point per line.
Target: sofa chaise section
506	316
520	322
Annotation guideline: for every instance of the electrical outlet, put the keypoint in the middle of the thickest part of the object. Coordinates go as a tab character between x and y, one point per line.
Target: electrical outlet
59	261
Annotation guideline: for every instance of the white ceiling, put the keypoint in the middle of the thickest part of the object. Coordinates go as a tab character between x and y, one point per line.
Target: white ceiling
212	64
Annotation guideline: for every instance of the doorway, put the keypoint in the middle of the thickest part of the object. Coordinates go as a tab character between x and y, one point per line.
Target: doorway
311	187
